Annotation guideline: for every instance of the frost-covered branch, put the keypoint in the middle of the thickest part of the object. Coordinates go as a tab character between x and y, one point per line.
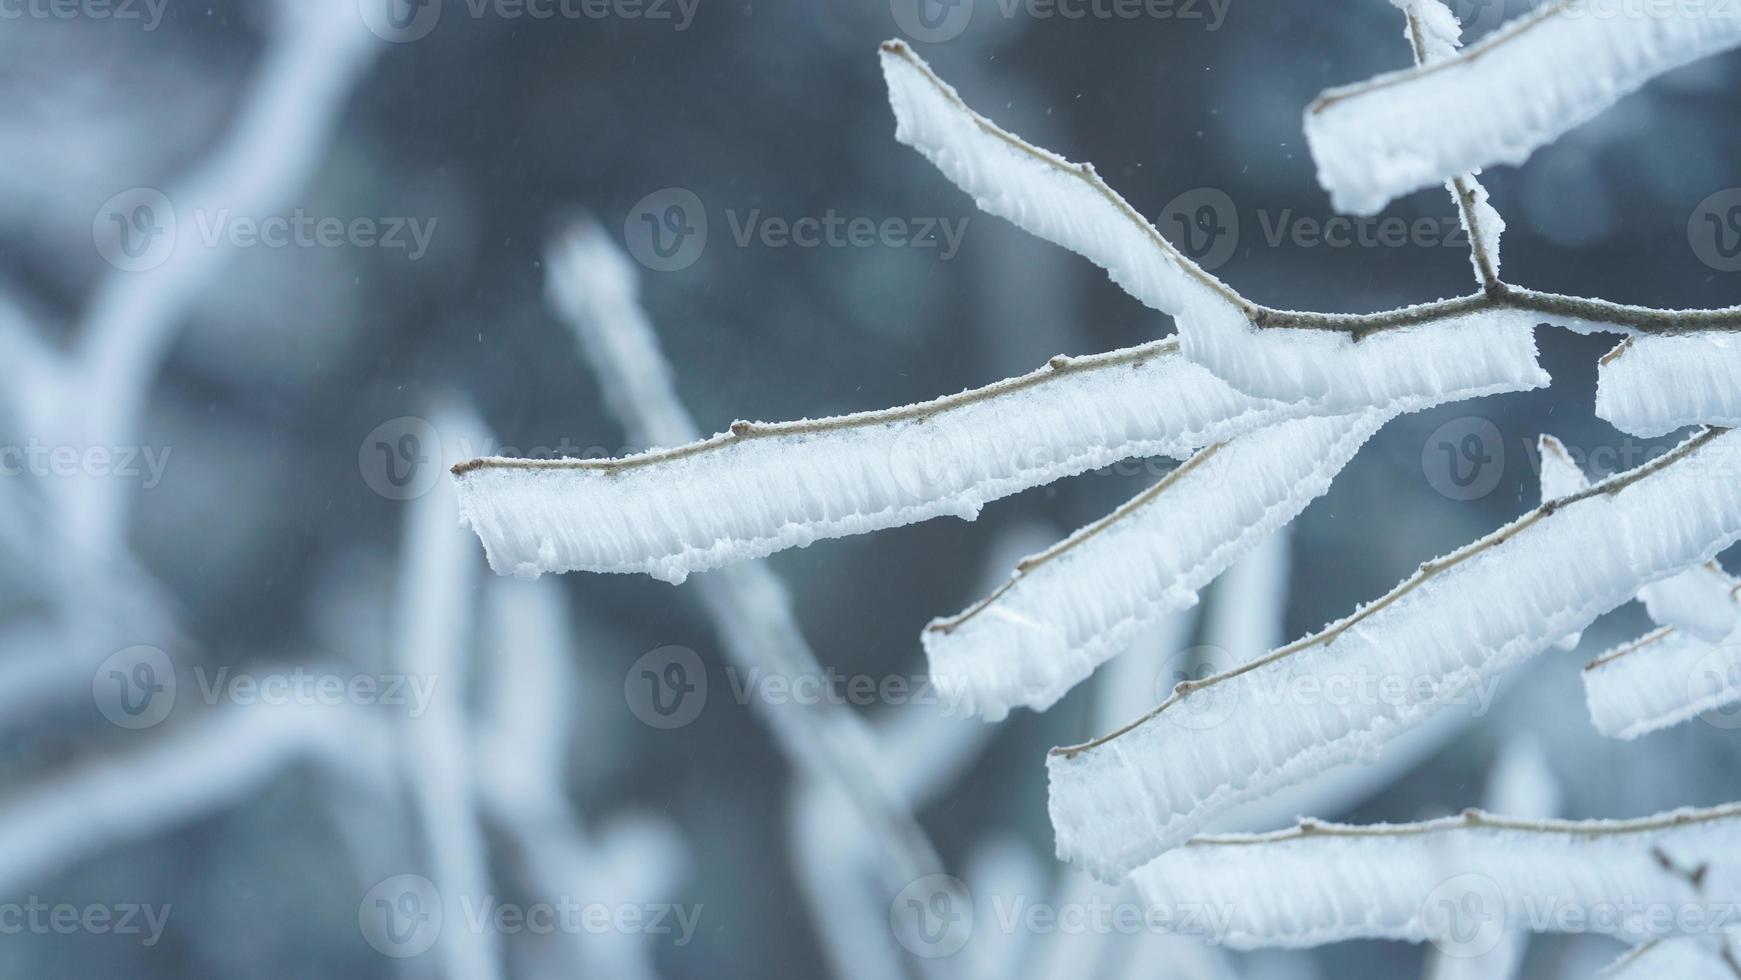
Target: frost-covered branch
760	487
1125	798
1498	101
1434	35
1074	606
1662	679
1651	386
1464	882
317	51
1339	361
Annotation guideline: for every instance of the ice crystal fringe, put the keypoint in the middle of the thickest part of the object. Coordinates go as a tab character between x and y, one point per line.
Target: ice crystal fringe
1124	799
1660	680
761	488
1534	79
1407	368
1076	605
1462	882
1652	385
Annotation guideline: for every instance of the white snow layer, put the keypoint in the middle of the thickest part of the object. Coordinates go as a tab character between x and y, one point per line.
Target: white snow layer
1402	369
1070	609
1561	476
1499	100
1432	643
1653	384
735	496
1662	679
1463	882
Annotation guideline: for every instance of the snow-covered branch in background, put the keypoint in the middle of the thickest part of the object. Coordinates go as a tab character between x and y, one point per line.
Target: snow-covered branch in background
1069	609
1124	799
196	767
524	735
434	633
317	51
1503	98
593	286
1462	882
